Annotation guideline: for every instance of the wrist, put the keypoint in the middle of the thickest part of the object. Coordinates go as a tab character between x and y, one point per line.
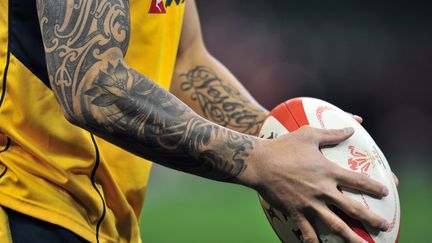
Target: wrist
250	176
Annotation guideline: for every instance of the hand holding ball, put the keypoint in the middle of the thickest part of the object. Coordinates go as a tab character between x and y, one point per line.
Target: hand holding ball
359	154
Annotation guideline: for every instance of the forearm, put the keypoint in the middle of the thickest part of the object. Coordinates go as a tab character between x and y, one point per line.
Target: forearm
211	90
85	45
154	124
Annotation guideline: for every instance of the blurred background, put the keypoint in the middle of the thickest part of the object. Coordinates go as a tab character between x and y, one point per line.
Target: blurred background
370	58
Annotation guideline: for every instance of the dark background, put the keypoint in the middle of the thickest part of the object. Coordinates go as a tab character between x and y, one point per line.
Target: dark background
369	58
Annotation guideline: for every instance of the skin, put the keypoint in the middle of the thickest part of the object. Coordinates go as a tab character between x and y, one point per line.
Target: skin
208	87
206	126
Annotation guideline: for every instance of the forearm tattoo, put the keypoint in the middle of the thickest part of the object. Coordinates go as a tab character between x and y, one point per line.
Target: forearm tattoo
85	42
222	103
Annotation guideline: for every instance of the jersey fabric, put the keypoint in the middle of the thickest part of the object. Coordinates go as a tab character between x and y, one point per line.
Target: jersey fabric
52	170
25	229
5	234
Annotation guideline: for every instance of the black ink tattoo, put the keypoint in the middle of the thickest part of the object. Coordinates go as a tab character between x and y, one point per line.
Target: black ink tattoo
85	42
77	36
221	102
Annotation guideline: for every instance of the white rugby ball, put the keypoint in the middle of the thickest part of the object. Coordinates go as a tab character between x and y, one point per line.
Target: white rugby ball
359	153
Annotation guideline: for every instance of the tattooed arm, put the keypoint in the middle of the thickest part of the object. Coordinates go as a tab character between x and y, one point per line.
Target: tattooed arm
208	87
85	42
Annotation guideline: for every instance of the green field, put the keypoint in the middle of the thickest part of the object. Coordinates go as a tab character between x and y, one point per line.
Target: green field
184	208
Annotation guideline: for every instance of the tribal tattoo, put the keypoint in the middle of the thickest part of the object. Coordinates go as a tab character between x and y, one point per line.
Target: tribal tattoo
85	42
222	103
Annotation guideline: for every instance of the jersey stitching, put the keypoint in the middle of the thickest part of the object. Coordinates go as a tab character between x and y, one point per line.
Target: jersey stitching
8	144
5	72
4	171
93	180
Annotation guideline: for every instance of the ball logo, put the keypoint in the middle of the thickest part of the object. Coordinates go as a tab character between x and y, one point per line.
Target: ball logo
362	160
319	113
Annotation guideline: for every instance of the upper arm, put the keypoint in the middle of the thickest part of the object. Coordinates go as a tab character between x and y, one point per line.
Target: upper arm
81	39
191	41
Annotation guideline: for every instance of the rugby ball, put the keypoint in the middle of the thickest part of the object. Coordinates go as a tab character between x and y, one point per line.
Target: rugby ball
359	153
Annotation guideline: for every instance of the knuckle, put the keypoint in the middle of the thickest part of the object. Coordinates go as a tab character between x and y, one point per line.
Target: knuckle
360	181
325	190
317	191
334	132
356	210
336	227
331	168
308	238
375	221
339	173
310	130
305	130
308	206
294	215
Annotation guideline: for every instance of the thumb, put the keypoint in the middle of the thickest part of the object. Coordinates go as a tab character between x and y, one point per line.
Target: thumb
333	136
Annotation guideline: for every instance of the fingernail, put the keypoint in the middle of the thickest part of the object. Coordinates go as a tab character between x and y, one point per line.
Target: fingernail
384	226
385	192
365	241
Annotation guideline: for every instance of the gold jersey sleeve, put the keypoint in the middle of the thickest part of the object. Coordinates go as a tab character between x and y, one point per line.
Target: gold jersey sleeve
53	170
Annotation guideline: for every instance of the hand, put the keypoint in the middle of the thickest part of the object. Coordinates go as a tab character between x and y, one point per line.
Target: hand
292	175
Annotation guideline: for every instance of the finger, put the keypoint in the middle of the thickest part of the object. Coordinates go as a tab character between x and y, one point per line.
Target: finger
359	119
357	210
396	180
308	232
360	182
325	137
337	225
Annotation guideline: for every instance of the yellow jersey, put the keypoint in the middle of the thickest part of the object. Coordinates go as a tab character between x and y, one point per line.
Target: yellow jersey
53	170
